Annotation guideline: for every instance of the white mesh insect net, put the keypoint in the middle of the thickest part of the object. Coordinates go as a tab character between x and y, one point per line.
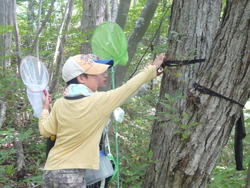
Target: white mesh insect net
36	77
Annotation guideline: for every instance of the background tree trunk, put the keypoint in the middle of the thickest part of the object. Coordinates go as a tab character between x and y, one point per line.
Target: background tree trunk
114	9
93	15
17	36
58	57
193	127
6	23
111	10
31	24
123	12
42	26
31	15
3	108
141	27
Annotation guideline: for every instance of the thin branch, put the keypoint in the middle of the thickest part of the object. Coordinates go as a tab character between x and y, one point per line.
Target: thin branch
39	31
60	43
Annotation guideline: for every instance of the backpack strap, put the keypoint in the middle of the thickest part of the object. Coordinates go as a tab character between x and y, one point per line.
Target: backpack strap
75	97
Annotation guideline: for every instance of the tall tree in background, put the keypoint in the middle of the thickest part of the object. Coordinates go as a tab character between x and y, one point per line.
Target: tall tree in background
136	36
40	27
114	9
59	51
6	28
7	16
192	130
123	12
8	24
93	15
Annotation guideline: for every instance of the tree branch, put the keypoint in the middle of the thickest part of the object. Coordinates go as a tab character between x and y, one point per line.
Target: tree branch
60	43
123	12
39	31
139	30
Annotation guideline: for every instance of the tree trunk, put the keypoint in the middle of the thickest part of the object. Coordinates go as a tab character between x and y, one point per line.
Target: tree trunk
93	15
31	15
3	108
114	9
58	57
6	23
17	36
123	12
193	127
108	11
111	10
41	27
28	38
141	27
38	27
134	3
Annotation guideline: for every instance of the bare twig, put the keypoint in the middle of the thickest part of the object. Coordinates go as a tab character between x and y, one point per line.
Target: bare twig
40	29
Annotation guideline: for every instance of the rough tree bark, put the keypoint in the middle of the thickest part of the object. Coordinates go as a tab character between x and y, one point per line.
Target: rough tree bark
141	27
58	57
191	131
6	21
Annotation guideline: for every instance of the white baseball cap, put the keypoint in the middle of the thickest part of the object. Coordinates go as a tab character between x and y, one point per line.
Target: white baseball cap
84	63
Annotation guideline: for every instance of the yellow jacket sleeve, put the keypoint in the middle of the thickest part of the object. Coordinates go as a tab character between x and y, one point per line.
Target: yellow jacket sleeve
117	97
48	123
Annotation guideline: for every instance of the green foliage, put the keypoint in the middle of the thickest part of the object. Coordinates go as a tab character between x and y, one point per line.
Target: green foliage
154	40
171	114
18	127
135	136
225	175
5	29
135	130
34	152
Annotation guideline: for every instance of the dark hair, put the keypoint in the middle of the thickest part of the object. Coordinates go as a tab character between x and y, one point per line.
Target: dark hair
74	80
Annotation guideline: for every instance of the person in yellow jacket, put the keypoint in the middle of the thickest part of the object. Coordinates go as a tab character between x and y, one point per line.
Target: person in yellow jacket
78	118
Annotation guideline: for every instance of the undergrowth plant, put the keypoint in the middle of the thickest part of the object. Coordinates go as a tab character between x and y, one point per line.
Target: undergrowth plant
19	127
225	174
135	137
